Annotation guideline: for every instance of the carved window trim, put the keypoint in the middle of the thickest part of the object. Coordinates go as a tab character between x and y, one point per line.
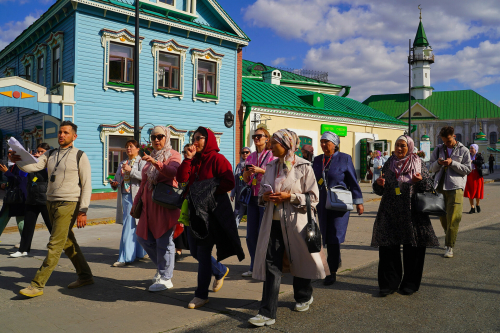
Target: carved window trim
208	55
28	60
170	46
40	50
120	37
56	39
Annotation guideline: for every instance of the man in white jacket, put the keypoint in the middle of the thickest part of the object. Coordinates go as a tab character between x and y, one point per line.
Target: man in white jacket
68	198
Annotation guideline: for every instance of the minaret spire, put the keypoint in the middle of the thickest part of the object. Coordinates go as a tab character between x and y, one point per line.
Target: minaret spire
420	12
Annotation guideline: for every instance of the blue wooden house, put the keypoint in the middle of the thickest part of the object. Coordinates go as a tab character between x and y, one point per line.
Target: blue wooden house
76	63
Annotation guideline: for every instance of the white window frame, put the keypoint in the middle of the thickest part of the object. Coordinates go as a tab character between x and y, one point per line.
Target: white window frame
164	5
39	51
56	39
121	129
124	37
27	60
170	46
208	55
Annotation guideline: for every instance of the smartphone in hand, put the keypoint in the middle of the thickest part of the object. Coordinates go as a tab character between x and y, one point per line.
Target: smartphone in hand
267	188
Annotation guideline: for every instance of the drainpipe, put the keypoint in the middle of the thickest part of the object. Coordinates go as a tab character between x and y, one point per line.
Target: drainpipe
347	91
245	118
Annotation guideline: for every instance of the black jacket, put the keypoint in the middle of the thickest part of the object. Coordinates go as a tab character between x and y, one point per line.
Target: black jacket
37	188
478	162
212	220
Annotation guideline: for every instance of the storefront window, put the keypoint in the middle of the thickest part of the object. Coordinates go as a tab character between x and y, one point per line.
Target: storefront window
116	152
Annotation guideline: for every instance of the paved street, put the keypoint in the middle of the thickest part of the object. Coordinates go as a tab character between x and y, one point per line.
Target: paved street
459	294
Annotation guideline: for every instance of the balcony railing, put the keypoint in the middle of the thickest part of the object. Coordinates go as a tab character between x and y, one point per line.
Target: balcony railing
421	57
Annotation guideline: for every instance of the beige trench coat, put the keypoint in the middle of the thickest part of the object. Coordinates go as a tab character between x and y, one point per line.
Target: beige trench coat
302	263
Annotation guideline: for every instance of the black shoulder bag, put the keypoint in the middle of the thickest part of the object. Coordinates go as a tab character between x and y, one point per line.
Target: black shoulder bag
313	234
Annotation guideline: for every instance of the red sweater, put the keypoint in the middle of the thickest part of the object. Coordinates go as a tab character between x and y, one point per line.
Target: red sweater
208	164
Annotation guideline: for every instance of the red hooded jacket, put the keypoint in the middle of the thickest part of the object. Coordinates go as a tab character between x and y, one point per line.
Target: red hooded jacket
208	164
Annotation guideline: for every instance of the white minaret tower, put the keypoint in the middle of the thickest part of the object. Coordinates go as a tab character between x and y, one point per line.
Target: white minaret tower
421	62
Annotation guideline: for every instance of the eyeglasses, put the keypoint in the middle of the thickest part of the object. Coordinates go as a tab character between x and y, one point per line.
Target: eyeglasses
198	138
245	152
157	136
257	136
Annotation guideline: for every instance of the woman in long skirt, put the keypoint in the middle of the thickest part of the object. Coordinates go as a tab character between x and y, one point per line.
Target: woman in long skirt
474	188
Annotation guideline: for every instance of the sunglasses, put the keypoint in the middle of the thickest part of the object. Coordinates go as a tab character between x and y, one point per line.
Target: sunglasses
257	136
198	138
245	152
157	136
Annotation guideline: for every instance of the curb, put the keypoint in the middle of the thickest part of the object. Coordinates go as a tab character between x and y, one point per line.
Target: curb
90	223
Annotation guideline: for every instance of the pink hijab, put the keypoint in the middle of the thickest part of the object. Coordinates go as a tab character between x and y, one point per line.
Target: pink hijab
409	165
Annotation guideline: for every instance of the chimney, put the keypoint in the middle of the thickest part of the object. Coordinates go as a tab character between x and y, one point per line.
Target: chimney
272	77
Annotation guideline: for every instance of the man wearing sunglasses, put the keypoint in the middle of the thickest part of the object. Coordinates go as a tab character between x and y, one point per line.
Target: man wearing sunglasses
239	210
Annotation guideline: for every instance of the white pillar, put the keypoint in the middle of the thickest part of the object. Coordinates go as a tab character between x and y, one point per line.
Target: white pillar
188	6
194	7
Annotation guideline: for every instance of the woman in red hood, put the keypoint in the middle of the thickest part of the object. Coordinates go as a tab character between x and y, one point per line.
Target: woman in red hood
203	161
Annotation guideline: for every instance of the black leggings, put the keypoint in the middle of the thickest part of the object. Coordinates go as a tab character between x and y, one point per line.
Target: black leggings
30	217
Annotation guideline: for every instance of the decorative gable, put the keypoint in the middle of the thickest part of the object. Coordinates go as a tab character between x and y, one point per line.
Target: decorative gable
418	111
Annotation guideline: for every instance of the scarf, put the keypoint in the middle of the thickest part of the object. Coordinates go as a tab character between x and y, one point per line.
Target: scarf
407	166
160	155
476	147
330	136
291	142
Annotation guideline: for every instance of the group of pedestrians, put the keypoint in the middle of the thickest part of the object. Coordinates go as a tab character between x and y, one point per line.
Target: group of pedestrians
280	186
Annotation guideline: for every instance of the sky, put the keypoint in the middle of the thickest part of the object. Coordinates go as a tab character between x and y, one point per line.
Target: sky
361	43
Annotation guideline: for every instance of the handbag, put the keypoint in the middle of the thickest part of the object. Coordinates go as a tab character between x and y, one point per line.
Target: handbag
168	196
339	198
138	210
430	203
14	196
313	234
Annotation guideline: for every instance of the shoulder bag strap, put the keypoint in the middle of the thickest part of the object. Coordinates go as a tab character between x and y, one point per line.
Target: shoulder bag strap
308	203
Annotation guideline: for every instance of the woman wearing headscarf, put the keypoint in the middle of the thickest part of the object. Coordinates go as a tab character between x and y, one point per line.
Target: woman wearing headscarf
16	185
156	223
283	193
128	181
378	163
307	152
333	168
474	188
239	209
211	218
399	223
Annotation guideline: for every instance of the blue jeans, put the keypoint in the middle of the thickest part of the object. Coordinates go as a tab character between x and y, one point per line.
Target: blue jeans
254	219
207	266
161	251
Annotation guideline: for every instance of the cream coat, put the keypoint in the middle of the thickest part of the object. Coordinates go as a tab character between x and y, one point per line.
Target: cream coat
302	263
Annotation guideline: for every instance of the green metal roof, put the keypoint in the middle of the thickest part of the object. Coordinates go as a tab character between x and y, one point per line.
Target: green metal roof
287	77
420	37
260	94
459	104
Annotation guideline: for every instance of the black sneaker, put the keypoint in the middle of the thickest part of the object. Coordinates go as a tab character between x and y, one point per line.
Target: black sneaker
330	279
472	210
386	292
478	209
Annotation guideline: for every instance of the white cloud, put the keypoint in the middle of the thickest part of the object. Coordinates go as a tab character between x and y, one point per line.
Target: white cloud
13	29
279	61
364	43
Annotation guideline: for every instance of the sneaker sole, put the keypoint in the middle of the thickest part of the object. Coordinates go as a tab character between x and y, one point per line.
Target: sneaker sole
197	306
40	293
82	285
266	323
305	309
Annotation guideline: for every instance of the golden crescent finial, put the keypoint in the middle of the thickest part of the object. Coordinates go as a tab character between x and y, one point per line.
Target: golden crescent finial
420	11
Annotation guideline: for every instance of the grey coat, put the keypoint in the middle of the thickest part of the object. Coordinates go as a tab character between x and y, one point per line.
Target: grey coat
135	180
456	175
293	222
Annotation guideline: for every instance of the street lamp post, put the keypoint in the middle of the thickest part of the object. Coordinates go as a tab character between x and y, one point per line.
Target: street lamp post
409	86
136	75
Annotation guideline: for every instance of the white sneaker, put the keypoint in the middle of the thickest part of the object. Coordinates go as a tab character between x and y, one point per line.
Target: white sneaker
301	307
156	277
18	254
449	252
161	284
247	274
260	320
119	264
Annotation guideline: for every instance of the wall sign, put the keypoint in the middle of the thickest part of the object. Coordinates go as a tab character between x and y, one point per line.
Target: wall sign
339	130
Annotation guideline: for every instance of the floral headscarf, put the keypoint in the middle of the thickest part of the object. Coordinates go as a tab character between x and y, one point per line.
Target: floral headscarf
291	142
330	136
407	166
476	147
160	155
